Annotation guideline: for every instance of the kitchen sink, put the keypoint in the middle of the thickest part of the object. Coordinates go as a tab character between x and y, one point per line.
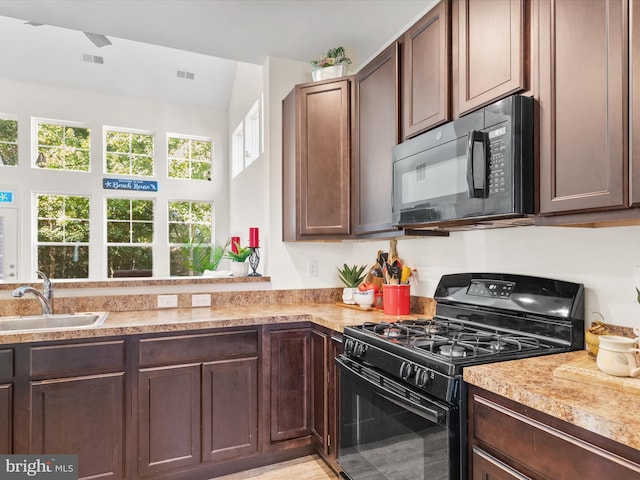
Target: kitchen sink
54	321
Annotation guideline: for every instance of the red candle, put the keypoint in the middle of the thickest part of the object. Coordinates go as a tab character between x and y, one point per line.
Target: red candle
253	237
235	241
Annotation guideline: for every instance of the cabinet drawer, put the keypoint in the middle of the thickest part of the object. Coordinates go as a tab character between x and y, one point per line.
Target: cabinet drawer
532	446
197	348
6	363
77	359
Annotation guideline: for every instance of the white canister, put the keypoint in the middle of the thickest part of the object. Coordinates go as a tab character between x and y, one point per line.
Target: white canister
617	356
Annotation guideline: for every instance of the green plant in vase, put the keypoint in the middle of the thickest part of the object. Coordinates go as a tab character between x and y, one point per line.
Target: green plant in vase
200	257
351	277
332	65
238	256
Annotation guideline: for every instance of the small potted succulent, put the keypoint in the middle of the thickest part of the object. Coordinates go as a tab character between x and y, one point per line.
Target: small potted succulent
351	277
332	65
238	256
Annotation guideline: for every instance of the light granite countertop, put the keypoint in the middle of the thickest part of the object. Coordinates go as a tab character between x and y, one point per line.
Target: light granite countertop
530	382
328	315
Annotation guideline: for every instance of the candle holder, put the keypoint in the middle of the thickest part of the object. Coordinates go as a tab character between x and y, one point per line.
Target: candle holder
254	260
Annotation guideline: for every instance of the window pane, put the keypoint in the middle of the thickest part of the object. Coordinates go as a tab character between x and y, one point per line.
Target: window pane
77	231
50	231
8	130
178	147
9	154
77	161
77	137
142	210
142	166
200	171
130	261
179	233
117	163
77	207
202	233
141	232
118	232
50	134
117	141
64	261
118	209
50	206
201	151
142	144
179	169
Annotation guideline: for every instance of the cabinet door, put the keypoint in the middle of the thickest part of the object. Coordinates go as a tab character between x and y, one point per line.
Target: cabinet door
376	132
230	409
425	71
289	384
324	156
583	105
320	390
6	415
83	416
490	51
168	418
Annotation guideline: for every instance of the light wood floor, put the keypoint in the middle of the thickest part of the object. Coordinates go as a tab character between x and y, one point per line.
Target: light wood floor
307	468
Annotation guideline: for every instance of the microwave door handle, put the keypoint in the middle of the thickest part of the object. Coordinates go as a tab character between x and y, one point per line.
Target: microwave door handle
473	138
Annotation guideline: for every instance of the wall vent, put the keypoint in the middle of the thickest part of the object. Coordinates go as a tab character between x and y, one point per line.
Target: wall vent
92	58
186	75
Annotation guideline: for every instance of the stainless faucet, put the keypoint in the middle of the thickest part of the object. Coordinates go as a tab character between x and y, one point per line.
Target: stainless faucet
45	297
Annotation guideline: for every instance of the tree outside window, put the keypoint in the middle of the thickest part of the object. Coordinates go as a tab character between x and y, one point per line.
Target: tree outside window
130	237
129	153
8	142
63	147
190	237
189	158
63	236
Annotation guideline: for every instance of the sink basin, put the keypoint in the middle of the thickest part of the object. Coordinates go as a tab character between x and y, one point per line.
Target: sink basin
54	321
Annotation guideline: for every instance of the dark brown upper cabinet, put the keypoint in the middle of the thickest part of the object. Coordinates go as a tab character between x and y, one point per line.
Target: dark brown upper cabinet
491	42
426	72
317	161
583	97
635	103
376	132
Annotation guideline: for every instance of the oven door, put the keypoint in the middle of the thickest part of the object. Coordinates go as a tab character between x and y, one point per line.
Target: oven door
389	431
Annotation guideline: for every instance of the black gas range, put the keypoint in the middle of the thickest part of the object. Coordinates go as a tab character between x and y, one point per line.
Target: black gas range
414	367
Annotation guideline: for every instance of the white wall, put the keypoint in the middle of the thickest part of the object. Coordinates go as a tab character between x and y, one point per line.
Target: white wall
247	191
602	259
27	100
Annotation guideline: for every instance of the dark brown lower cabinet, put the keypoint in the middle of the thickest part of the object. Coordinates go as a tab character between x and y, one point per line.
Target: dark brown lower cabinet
83	416
169	418
509	441
6	415
230	413
289	370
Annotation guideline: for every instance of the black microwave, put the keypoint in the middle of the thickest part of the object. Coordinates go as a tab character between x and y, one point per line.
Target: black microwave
479	166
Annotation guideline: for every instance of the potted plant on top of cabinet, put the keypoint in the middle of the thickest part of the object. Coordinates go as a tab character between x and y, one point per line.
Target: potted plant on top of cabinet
332	65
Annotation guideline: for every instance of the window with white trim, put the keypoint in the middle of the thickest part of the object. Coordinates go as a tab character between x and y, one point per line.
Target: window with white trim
129	227
8	142
189	157
63	235
129	153
62	146
190	237
247	141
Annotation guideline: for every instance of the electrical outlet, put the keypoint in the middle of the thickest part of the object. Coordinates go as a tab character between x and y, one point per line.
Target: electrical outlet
201	300
312	268
167	301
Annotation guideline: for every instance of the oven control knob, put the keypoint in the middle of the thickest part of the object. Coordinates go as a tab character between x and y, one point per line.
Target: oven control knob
406	369
359	349
348	345
422	377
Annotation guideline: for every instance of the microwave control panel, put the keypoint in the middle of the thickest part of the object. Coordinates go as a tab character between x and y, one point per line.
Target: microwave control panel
497	152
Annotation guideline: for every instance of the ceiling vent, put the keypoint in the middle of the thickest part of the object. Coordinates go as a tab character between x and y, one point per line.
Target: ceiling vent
186	75
92	58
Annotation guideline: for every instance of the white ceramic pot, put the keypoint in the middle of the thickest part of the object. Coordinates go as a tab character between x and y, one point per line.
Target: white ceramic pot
239	269
617	356
347	295
326	73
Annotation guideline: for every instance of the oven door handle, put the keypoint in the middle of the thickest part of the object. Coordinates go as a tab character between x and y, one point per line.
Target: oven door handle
420	410
475	137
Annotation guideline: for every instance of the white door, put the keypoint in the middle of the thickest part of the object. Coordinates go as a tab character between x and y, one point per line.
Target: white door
8	244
